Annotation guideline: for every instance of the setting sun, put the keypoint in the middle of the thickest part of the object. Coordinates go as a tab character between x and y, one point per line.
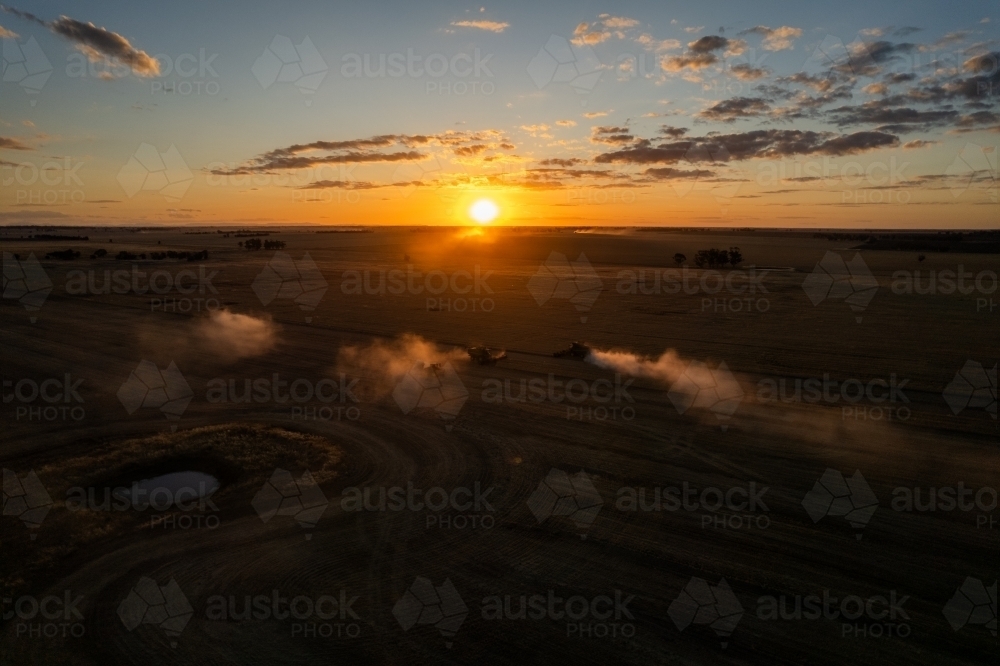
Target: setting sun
483	211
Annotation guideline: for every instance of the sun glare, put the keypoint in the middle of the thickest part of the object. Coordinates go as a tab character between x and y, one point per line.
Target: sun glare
483	211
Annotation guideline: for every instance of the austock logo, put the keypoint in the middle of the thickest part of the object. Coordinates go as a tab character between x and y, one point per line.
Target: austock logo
702	604
282	495
582	617
561	61
974	164
833	495
51	616
25	499
434	386
26	281
973	387
314	616
26	65
875	616
150	170
439	606
576	281
701	387
722	190
149	603
284	62
285	278
573	497
835	278
148	386
973	603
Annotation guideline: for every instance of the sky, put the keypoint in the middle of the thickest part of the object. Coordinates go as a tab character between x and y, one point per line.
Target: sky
732	114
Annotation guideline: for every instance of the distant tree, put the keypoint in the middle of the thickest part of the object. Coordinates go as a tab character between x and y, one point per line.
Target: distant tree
252	244
735	257
679	258
712	258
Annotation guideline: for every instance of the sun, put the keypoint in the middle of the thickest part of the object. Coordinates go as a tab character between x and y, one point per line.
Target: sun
484	211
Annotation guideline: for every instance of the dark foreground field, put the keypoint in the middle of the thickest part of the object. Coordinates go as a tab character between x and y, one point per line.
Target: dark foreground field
333	580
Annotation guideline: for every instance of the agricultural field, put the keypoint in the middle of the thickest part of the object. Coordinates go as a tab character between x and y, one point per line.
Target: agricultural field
790	458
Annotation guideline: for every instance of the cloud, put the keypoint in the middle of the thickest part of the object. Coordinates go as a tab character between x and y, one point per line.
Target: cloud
775	39
491	26
673	132
568	162
730	110
654	44
701	53
386	148
707	44
747	72
899	77
6	34
949	39
10	143
97	43
875	89
670	173
471	151
583	34
919	143
693	29
566	123
535	130
595	114
340	185
618	22
817	83
899	119
771	143
611	135
689	61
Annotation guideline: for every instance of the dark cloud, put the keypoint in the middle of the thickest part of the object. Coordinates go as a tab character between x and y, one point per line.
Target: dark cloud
701	53
769	143
707	44
470	151
555	161
339	184
670	173
96	43
693	61
611	135
899	77
904	119
817	83
673	132
730	110
380	148
747	72
869	58
9	143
